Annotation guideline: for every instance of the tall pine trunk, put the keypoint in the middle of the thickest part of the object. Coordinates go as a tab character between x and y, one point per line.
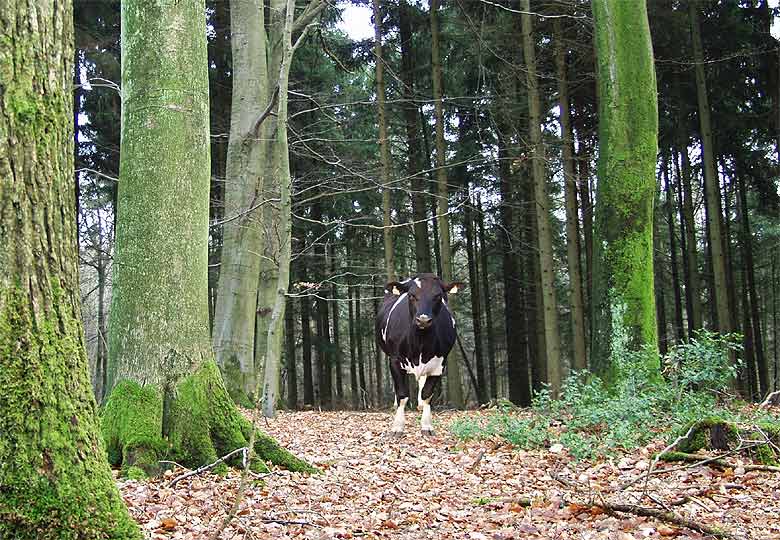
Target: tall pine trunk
541	201
624	314
454	384
54	476
167	396
418	193
486	296
384	149
579	360
711	181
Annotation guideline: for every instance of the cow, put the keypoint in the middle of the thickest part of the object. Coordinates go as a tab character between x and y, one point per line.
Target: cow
416	330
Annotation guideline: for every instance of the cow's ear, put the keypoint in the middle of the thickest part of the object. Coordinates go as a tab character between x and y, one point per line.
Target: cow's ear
454	287
396	287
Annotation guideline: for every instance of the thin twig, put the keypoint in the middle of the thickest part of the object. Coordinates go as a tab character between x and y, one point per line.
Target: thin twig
205	468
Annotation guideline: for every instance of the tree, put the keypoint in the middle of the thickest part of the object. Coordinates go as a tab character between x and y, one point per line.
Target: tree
570	191
55	480
454	386
711	180
242	247
541	202
167	397
623	296
384	150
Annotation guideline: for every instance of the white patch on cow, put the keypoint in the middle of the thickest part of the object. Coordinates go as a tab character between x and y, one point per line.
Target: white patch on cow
398	420
420	384
431	367
418	282
387	323
426	422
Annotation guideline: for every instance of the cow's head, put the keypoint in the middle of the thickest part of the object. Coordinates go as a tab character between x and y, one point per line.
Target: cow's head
427	294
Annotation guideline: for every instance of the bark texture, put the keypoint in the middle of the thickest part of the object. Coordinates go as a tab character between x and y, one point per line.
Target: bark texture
384	149
541	201
53	472
234	318
711	181
167	396
624	317
454	385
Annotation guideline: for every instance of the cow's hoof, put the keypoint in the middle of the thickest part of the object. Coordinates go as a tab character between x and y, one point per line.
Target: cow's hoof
396	434
427	432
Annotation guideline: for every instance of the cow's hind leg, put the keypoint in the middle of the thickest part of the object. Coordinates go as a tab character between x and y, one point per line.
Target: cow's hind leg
426	393
401	387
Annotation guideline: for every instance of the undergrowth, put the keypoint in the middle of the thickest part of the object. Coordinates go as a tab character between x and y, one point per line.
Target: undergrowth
592	420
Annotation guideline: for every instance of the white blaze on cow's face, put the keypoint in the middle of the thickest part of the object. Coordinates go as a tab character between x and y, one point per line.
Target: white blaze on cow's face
427	294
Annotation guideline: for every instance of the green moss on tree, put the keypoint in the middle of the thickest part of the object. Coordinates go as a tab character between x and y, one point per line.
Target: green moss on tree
202	425
55	482
628	133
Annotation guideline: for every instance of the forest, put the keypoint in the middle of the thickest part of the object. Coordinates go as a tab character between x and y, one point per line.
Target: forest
214	215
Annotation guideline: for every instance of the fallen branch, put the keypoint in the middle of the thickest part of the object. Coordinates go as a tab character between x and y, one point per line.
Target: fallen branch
208	467
663	515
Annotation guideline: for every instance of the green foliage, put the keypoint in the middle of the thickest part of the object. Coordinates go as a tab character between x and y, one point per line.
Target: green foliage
599	419
702	363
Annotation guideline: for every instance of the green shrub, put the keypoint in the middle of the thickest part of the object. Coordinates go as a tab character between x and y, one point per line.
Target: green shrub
592	420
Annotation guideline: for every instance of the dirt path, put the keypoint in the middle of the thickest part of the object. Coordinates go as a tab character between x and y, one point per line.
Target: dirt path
417	487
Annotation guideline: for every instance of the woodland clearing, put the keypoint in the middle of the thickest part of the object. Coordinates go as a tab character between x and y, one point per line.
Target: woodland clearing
439	487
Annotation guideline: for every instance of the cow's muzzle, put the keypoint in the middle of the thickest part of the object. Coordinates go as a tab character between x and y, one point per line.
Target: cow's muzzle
423	321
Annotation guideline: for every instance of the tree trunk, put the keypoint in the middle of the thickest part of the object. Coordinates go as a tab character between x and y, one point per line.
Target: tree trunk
308	379
624	315
542	202
378	354
579	360
711	182
659	250
418	193
476	304
454	385
483	260
167	397
54	476
384	149
242	242
679	332
364	384
749	266
514	321
292	370
353	370
693	284
336	336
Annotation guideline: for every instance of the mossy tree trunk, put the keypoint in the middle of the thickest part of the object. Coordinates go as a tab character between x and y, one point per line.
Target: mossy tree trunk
167	396
624	315
454	385
55	480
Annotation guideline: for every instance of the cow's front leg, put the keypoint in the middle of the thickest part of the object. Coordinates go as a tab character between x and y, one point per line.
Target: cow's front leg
426	393
401	387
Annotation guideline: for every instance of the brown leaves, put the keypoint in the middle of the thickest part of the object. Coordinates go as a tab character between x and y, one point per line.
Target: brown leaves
414	488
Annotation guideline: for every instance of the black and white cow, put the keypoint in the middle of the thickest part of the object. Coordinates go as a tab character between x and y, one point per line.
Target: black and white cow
415	328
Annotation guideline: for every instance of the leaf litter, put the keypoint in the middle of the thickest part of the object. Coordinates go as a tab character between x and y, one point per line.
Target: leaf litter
417	487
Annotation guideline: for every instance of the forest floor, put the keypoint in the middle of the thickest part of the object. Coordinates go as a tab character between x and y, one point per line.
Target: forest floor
439	487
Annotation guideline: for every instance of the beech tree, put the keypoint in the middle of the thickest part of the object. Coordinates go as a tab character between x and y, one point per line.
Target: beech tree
167	397
623	294
55	480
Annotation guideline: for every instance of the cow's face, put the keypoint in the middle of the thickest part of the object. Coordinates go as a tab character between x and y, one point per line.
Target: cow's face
427	294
